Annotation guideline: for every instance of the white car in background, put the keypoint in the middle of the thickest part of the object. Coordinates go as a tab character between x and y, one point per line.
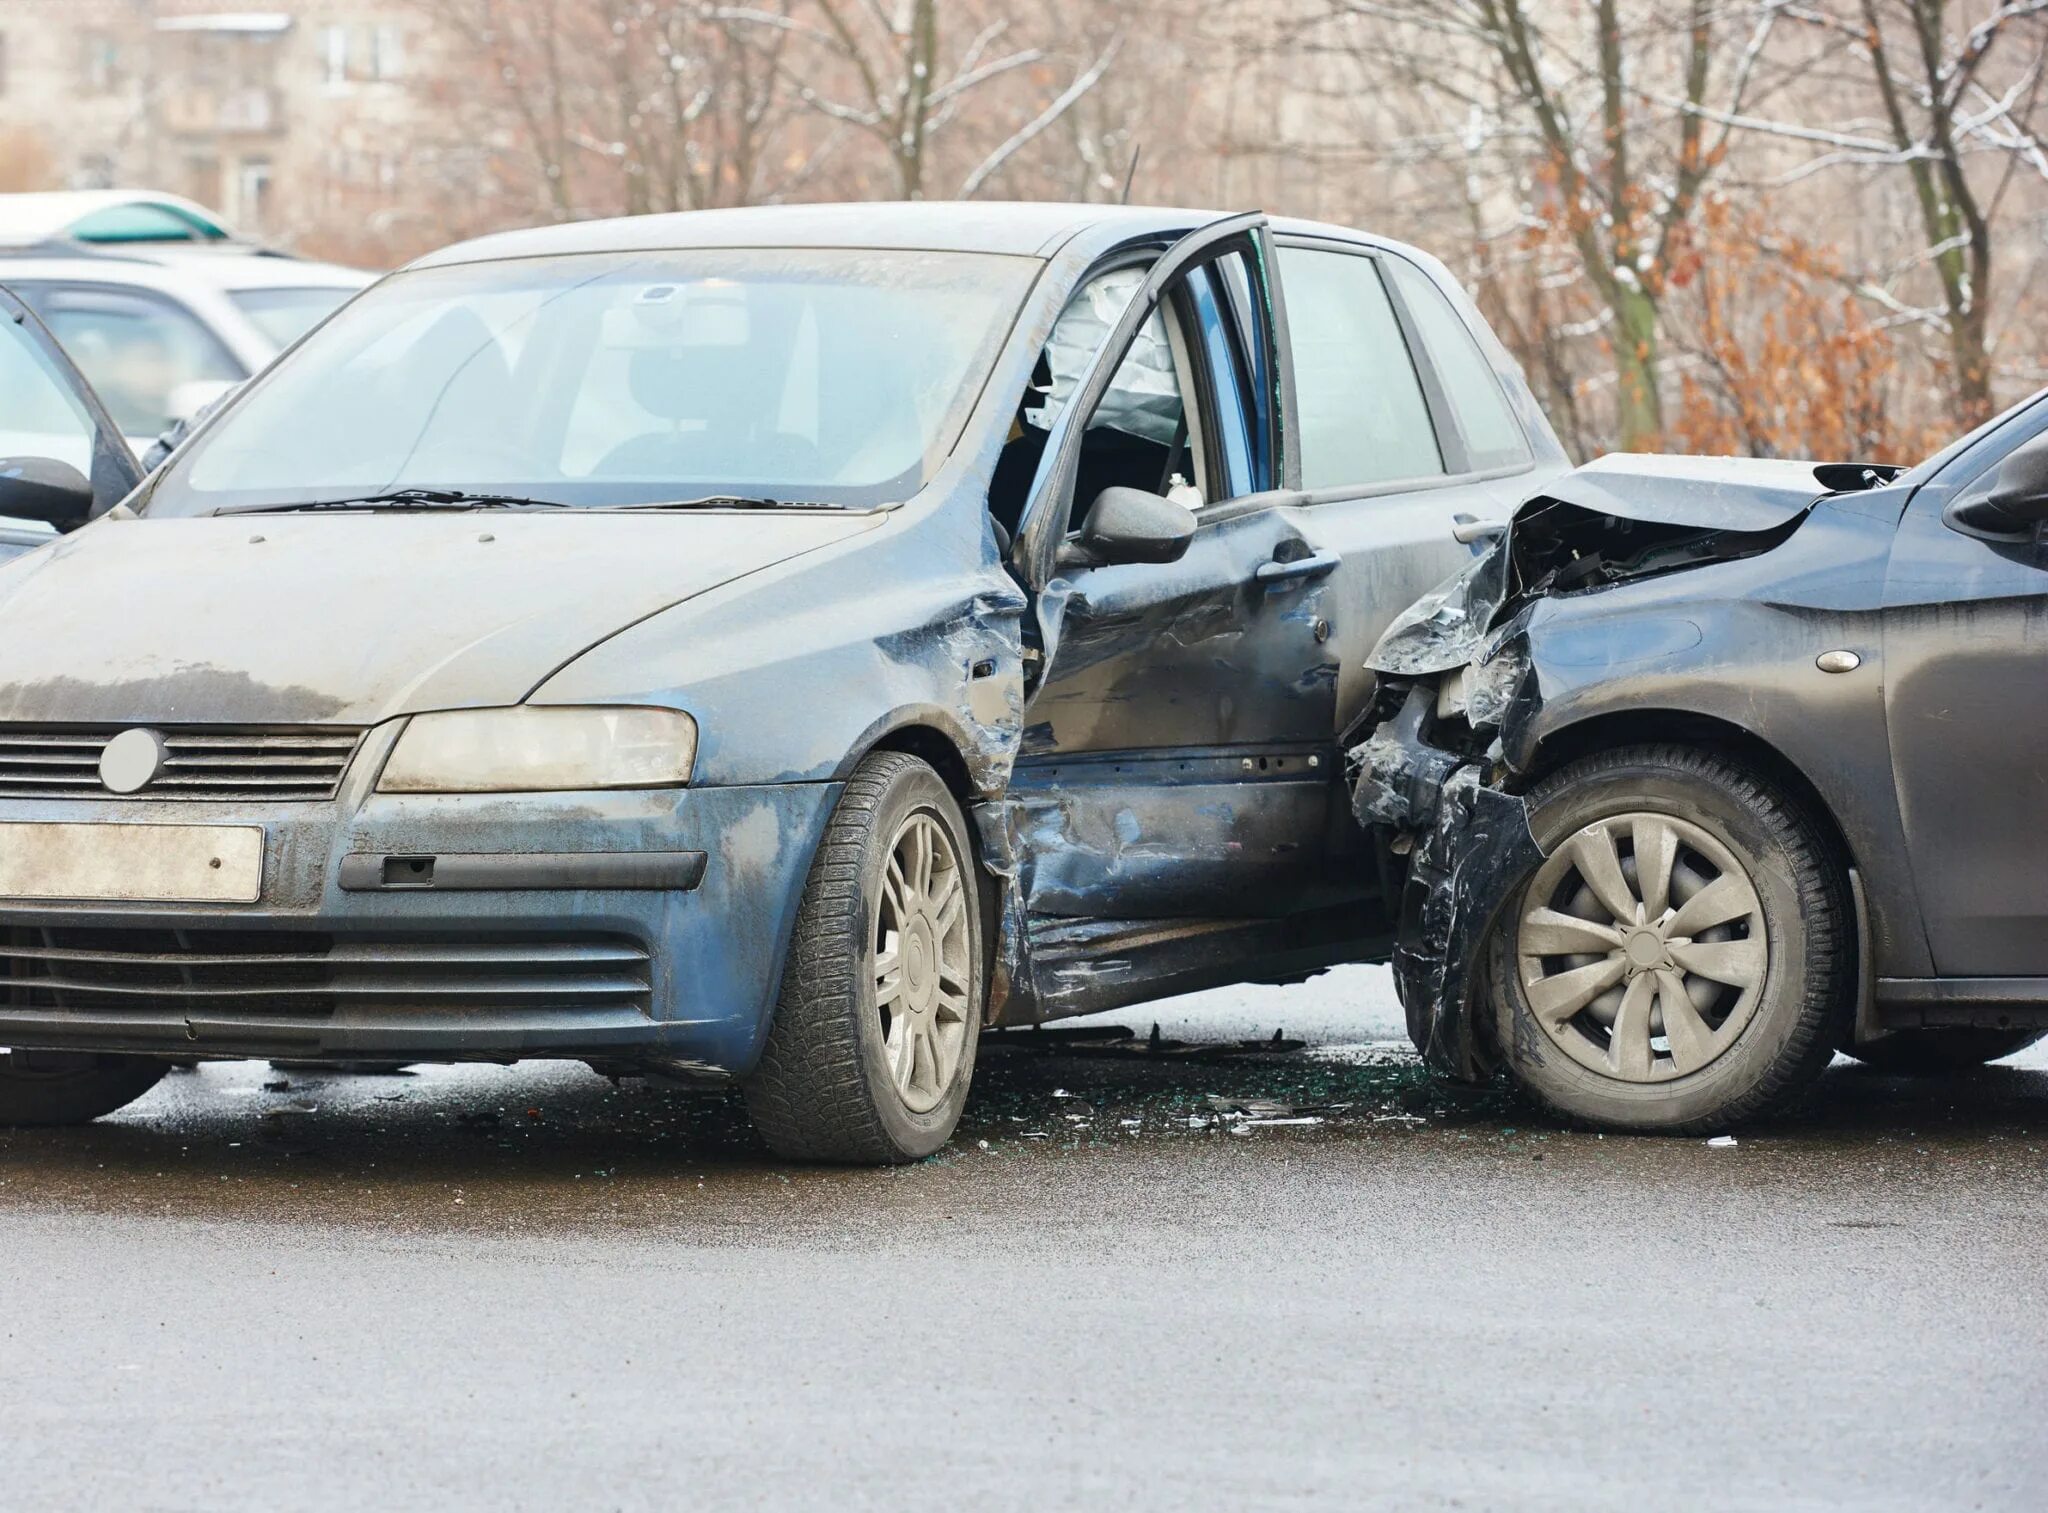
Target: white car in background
159	303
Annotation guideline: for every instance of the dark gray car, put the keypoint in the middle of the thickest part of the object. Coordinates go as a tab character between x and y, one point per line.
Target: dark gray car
1711	768
758	647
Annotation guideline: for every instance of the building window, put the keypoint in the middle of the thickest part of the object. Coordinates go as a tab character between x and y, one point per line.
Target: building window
252	193
100	63
334	55
387	52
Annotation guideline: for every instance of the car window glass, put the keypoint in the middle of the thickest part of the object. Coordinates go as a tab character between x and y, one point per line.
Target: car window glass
136	352
285	315
42	416
1492	434
1363	417
1144	398
605	379
1140	434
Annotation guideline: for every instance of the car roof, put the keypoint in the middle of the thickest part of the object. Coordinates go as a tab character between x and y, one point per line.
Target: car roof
1018	228
174	274
1030	229
39	216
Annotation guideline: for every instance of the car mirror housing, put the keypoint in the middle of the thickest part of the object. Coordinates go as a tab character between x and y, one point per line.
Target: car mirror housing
42	488
1132	525
2012	502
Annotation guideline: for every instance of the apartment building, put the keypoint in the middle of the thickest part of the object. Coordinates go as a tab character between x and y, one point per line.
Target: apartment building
302	114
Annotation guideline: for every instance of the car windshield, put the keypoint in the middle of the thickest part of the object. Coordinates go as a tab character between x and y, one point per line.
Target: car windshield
285	315
618	379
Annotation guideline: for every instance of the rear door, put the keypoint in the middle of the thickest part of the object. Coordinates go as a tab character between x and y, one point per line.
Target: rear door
1179	743
52	412
1405	432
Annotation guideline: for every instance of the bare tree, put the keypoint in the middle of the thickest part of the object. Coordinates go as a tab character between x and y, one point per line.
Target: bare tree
1954	136
885	71
610	106
1596	118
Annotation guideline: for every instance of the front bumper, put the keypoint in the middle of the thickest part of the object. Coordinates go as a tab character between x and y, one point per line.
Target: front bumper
643	926
1469	849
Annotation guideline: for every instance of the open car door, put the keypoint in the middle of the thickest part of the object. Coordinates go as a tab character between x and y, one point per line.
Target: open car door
62	458
1172	802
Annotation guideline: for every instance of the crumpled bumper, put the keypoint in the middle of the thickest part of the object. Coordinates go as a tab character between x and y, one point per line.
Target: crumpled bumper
1469	851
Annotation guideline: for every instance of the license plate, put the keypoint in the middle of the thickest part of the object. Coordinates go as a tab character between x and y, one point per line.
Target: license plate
184	864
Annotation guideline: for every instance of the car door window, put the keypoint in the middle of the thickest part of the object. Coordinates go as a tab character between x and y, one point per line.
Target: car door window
1363	417
137	350
1146	433
1493	437
42	416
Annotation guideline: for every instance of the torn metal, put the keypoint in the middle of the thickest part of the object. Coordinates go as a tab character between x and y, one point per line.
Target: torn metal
1479	673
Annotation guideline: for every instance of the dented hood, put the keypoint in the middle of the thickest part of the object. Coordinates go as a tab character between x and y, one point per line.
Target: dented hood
1711	493
351	618
1623	515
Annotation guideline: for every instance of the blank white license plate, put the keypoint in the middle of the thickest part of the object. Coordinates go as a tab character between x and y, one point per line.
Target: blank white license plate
185	864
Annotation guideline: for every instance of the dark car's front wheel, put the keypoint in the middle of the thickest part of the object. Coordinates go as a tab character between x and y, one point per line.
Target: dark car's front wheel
872	1048
1683	958
1939	1052
71	1087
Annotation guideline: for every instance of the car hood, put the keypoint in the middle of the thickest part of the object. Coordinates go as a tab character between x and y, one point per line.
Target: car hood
1622	516
1707	493
351	618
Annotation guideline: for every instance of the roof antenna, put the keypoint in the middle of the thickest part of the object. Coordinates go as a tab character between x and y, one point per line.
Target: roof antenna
1131	173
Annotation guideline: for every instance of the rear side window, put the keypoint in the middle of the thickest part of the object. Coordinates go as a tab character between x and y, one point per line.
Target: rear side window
1491	431
1363	418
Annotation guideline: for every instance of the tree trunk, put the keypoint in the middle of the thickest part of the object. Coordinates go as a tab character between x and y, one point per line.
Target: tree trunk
1638	408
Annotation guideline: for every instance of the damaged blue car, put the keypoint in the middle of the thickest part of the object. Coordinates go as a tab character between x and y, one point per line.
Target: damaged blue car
761	648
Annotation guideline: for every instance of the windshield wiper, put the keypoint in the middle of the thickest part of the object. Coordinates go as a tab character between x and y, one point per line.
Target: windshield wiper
404	499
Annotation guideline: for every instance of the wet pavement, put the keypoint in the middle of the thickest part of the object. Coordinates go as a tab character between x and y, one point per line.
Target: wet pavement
1145	1278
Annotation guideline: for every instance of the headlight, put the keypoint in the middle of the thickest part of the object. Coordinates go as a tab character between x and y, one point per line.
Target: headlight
540	750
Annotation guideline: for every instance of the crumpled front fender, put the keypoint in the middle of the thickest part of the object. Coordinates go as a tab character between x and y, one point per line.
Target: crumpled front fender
1461	881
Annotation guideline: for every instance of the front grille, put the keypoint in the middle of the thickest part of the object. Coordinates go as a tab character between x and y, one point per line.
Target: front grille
250	972
202	762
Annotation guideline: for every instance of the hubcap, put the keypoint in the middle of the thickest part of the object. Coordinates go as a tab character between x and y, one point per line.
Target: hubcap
922	962
1642	948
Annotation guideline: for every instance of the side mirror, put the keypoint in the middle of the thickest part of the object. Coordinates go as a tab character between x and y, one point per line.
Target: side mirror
42	488
2013	502
1130	525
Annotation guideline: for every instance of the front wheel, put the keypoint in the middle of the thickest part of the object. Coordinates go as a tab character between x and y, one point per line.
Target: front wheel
71	1087
1941	1052
1683	958
872	1048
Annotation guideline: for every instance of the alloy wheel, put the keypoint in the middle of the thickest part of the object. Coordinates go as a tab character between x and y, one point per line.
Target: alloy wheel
923	962
1642	947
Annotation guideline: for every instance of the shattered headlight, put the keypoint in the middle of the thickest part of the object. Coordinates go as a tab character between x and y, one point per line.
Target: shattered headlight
1481	691
541	750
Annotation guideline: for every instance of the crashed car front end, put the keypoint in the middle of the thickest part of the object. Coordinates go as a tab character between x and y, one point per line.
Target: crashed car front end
1588	603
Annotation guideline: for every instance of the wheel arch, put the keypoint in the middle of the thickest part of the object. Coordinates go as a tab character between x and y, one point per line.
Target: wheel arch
1636	727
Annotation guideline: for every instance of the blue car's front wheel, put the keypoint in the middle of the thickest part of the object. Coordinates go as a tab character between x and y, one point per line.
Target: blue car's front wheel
872	1049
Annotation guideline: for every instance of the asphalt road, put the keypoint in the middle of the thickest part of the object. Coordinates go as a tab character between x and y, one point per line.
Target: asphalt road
527	1289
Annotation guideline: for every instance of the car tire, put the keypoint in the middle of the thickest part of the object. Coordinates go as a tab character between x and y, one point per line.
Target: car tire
1941	1052
872	1048
1749	994
71	1087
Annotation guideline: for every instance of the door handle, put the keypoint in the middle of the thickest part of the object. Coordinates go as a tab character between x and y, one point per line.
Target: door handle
1315	566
